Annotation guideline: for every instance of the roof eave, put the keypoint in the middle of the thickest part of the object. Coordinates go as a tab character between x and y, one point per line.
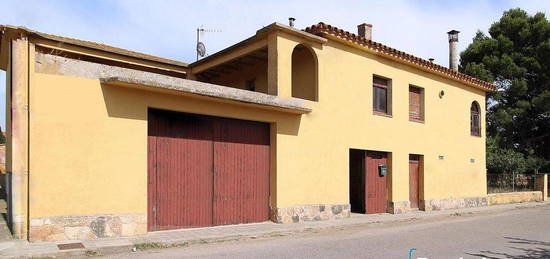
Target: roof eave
409	63
291	30
415	62
261	34
16	31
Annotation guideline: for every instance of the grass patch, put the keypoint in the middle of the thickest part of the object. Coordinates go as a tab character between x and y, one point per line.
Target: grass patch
148	246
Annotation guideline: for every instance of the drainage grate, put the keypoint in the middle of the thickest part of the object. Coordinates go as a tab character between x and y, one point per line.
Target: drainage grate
70	246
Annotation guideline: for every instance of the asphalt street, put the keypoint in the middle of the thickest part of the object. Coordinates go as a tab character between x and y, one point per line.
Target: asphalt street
518	233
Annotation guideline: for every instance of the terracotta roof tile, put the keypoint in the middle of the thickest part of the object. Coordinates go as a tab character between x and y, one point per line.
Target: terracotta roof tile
322	28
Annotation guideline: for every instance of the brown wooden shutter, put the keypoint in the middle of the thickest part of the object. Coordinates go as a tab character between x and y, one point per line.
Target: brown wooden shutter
415	103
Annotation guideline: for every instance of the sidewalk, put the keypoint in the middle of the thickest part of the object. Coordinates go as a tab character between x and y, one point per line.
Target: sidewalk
176	238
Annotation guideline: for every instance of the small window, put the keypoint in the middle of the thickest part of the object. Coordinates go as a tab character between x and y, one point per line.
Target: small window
475	120
416	103
381	95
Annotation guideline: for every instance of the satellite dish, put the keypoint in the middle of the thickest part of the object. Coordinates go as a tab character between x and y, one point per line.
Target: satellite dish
201	49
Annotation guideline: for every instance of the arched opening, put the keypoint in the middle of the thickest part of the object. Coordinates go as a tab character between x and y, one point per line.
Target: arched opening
475	119
304	73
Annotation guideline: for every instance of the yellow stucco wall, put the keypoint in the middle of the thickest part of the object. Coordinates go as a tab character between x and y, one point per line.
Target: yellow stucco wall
316	159
88	142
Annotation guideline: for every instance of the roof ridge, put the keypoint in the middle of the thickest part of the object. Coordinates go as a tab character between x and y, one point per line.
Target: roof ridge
322	27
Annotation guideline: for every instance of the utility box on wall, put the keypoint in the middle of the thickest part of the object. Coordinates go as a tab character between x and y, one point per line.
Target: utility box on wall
382	170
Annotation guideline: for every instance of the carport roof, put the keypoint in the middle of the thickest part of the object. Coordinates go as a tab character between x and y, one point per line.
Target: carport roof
211	91
17	30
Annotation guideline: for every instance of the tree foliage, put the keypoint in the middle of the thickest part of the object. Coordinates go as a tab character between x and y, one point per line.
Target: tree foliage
516	57
2	137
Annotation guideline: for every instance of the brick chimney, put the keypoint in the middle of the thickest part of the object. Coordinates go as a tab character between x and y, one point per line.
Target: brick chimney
365	30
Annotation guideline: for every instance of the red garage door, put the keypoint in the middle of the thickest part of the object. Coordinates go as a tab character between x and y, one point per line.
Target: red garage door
206	171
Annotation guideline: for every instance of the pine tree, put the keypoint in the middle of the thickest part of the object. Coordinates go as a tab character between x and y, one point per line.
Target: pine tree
516	57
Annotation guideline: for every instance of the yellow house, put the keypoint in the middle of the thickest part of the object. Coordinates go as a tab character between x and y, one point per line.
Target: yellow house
288	125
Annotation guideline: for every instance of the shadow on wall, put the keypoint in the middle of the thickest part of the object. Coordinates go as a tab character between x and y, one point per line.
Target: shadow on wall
526	248
128	103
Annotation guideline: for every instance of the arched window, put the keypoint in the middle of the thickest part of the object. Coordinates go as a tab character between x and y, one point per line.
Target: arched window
475	120
304	73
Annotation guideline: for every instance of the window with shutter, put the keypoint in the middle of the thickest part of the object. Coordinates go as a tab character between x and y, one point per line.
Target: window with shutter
415	104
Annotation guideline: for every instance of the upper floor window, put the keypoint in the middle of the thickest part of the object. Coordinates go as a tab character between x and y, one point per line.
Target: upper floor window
416	103
381	88
475	120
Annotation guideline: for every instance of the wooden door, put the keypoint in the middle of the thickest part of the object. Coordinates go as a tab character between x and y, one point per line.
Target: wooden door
205	171
180	171
376	186
414	180
241	166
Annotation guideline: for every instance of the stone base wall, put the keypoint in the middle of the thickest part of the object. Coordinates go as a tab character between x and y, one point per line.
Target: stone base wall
514	197
87	227
18	226
454	203
310	213
398	207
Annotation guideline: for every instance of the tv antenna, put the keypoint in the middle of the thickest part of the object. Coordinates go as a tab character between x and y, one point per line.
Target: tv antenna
201	48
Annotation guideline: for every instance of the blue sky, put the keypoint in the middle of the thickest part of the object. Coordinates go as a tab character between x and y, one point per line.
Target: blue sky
167	27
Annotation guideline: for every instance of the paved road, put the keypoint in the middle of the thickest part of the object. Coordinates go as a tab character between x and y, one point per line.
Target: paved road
520	233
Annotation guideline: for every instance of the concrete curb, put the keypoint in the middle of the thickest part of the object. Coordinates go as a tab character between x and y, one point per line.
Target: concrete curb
191	237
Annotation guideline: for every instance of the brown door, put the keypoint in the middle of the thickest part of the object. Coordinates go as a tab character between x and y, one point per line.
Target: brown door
414	179
180	169
376	191
241	172
206	171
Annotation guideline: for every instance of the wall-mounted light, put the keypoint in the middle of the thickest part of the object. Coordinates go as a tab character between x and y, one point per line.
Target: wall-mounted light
441	157
441	94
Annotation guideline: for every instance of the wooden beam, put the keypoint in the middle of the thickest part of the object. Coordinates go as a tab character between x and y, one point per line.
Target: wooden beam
202	77
242	61
255	59
235	53
210	74
221	70
230	66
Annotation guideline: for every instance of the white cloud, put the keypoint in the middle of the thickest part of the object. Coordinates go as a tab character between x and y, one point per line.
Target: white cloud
167	27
